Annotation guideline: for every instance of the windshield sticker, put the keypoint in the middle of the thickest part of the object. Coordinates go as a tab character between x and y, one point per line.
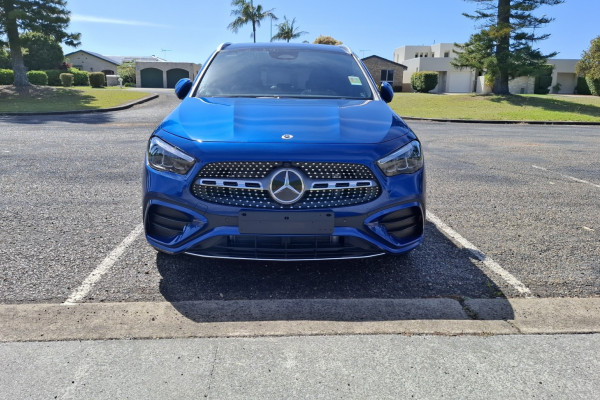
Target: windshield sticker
355	80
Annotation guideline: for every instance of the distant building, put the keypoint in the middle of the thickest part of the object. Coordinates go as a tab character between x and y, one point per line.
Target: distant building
383	70
151	72
438	58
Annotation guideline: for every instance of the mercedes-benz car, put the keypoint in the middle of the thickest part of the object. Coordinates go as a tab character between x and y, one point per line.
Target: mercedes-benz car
283	152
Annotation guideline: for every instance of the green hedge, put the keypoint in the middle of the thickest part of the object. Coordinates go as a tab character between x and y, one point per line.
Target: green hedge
80	78
7	77
97	79
66	79
593	85
53	77
37	78
424	81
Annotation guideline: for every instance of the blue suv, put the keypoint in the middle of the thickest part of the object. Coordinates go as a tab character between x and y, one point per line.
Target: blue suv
283	152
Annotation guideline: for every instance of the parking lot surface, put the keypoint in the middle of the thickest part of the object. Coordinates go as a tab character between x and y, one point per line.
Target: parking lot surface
524	197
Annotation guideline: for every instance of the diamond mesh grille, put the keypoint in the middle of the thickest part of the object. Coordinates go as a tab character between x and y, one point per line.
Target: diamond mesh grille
312	199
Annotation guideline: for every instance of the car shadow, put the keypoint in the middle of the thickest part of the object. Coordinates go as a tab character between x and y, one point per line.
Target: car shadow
211	290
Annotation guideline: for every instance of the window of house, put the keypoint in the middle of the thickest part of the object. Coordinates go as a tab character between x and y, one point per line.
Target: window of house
387	75
447	54
416	55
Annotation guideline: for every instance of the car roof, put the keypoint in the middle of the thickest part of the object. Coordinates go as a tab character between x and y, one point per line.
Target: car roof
291	46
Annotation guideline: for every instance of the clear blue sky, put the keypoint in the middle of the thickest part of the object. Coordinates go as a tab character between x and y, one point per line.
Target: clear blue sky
189	30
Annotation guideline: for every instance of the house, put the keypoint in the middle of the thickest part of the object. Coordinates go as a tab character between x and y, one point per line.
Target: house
151	72
438	58
384	70
93	62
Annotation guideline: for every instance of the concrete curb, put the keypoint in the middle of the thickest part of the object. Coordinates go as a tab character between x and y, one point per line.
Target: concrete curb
513	122
117	108
247	318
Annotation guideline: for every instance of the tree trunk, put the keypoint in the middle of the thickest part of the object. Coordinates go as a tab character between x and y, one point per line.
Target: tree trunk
254	30
12	31
503	47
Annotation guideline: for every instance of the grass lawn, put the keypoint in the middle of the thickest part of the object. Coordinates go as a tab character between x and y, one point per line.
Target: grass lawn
46	98
499	108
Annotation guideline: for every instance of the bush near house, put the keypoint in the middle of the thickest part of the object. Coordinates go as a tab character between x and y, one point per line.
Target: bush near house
53	77
80	78
67	79
582	86
127	72
37	78
593	85
424	81
7	77
97	79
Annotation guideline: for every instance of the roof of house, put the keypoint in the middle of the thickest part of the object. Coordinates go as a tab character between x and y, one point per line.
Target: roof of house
108	59
386	60
118	60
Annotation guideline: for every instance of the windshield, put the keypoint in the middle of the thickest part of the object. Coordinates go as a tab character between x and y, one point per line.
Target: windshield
283	72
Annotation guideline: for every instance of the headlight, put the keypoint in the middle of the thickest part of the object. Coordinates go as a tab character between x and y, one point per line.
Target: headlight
406	160
164	157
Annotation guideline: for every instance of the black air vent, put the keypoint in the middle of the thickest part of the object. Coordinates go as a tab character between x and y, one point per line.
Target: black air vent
165	222
404	225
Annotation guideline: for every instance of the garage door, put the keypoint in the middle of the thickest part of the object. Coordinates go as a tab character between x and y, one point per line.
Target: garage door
151	78
175	74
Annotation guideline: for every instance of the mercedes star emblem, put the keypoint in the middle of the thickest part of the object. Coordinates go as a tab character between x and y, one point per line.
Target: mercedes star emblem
286	186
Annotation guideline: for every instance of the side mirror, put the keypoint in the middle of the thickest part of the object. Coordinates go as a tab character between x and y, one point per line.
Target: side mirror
386	92
182	88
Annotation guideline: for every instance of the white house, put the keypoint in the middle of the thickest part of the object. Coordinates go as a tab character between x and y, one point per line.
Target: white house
452	80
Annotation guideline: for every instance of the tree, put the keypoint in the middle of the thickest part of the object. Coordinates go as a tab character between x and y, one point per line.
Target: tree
246	13
503	48
49	17
42	52
287	30
127	71
327	40
589	66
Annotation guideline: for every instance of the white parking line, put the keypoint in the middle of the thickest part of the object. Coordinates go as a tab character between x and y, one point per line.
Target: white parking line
83	290
566	176
487	261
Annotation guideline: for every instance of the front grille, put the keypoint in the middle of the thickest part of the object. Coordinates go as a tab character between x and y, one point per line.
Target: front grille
286	247
245	184
405	224
165	222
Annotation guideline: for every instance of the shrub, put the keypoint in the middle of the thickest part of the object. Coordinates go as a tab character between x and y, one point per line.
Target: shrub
7	77
127	72
582	86
37	78
53	77
593	85
424	81
67	79
80	78
97	79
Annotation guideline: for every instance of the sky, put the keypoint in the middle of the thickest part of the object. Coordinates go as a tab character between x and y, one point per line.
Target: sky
190	30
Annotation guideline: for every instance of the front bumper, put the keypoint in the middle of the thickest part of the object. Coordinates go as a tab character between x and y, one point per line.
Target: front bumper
178	222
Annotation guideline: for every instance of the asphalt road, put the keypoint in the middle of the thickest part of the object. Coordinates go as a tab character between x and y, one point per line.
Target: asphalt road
525	196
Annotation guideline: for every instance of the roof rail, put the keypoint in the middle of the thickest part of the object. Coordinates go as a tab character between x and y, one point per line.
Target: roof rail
223	46
345	48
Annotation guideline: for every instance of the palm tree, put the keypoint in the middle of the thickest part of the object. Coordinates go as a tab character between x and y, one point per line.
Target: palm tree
287	30
245	12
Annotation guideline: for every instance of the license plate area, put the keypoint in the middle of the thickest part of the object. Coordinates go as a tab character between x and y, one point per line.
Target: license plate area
286	223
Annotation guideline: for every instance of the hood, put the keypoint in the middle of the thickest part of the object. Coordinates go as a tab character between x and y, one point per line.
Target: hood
266	120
